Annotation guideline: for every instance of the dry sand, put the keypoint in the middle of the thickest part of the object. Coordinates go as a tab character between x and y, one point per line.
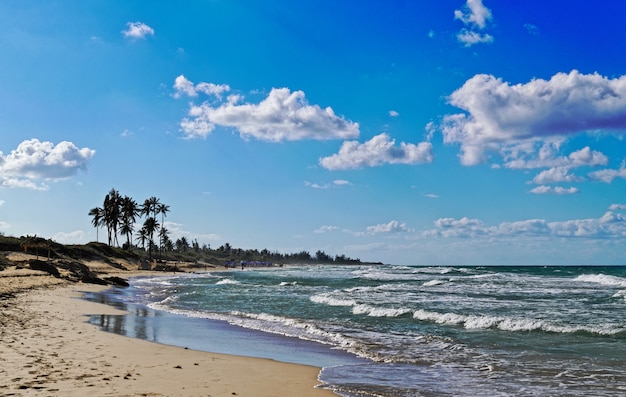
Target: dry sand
48	349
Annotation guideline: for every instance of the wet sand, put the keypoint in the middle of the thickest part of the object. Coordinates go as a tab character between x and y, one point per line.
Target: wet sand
48	348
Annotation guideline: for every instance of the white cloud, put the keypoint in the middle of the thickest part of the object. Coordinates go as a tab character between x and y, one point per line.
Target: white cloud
137	30
176	231
282	116
379	150
75	237
608	175
182	86
34	160
390	227
21	183
500	115
617	207
469	37
335	183
474	16
341	182
535	154
4	225
543	189
474	13
317	185
393	113
464	227
2	203
607	226
431	195
325	229
555	175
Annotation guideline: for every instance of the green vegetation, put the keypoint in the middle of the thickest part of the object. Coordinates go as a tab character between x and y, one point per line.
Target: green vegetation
119	214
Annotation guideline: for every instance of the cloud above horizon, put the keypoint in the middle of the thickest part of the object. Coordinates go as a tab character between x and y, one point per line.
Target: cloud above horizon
513	120
379	150
610	225
137	30
474	16
282	116
35	160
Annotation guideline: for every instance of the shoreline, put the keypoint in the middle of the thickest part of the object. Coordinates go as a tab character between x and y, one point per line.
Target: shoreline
47	346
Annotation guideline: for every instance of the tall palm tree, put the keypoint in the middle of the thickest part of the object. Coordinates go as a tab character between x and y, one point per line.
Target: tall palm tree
128	215
149	207
98	218
112	214
164	238
151	225
143	235
163	210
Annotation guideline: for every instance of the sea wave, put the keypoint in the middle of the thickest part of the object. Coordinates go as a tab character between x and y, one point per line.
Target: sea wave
602	279
373	311
226	281
513	324
328	299
432	283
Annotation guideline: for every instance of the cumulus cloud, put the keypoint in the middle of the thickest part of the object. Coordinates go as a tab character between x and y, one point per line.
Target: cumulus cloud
474	16
282	116
474	13
500	115
393	113
34	160
469	37
182	86
555	175
617	207
137	30
379	150
543	189
390	227
607	175
528	155
451	227
608	225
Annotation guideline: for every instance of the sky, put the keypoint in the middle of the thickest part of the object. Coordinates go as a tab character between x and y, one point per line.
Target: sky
477	132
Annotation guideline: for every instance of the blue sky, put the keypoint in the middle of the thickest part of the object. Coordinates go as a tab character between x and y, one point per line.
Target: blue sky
408	132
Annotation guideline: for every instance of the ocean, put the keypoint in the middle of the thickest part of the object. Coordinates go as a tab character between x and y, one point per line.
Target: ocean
400	330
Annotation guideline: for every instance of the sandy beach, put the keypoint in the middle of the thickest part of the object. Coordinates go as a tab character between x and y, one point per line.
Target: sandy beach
47	348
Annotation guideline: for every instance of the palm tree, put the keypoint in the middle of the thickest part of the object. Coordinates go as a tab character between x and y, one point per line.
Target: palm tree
163	210
98	218
149	207
112	214
143	235
151	225
164	238
128	215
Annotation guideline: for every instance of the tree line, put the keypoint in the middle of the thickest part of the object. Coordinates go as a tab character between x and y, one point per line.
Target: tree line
119	215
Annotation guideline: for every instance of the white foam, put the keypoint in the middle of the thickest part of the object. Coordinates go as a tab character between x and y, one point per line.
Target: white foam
327	299
227	281
379	311
510	323
433	283
602	279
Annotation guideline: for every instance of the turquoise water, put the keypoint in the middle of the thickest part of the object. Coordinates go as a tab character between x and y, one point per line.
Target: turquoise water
405	330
